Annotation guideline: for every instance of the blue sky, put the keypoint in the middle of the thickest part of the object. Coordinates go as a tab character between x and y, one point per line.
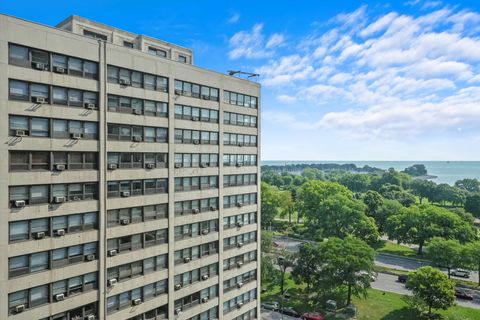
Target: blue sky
341	80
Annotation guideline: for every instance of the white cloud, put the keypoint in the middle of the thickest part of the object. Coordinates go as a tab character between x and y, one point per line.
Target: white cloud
252	44
234	18
393	76
285	98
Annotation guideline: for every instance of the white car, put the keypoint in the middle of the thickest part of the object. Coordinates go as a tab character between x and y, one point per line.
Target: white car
460	273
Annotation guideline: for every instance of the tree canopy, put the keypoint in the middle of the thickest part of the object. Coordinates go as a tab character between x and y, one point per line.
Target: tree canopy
432	287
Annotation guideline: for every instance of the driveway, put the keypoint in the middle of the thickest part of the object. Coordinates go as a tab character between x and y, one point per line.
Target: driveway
272	315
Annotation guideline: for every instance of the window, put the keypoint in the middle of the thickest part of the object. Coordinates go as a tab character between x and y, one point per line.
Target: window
195	90
240	99
157	52
182	59
18	90
95	35
18	55
127	44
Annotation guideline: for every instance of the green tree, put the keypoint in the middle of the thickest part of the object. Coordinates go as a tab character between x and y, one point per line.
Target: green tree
446	193
416	170
472	204
266	241
333	212
471	252
373	200
418	224
387	209
432	287
285	261
305	264
356	182
313	173
285	204
268	272
470	185
445	253
423	189
347	264
269	204
395	192
392	177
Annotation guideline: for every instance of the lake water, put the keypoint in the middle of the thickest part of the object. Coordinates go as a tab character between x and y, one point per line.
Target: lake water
446	171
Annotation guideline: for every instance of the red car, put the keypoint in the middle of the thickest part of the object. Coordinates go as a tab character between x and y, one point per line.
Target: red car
312	316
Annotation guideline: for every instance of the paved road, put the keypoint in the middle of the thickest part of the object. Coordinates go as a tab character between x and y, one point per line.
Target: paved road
272	315
389	261
387	282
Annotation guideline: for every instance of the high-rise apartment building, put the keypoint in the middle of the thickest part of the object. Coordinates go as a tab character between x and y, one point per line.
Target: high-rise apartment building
129	178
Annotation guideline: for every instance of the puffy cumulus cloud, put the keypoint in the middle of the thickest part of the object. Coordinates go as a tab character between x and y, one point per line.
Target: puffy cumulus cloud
391	75
253	44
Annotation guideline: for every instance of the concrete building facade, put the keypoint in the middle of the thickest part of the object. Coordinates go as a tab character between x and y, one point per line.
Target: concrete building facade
129	178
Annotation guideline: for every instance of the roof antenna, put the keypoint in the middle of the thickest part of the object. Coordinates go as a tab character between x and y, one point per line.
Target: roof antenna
248	75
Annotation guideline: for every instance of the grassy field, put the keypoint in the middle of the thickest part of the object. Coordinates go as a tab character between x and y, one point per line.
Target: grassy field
391	306
377	306
398	250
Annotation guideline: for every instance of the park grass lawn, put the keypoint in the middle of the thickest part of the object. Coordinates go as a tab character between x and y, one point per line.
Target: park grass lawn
398	250
377	306
391	306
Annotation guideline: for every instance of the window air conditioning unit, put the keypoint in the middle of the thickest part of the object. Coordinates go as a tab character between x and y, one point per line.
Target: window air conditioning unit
239	285
39	66
186	259
89	105
76	198
60	167
20	133
178	286
59	69
20	308
112	166
239	305
203	165
205	277
213	208
125	222
239	144
76	135
205	97
137	112
196	141
204	299
39	99
112	282
137	138
239	204
195	118
112	252
136	302
125	194
178	165
124	82
177	311
239	224
240	244
90	257
238	165
60	232
19	203
90	317
178	92
150	165
39	235
59	199
186	231
205	231
59	297
195	211
239	264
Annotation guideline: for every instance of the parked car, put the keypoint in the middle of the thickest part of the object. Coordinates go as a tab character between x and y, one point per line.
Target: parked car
270	305
289	311
463	294
312	316
402	278
460	273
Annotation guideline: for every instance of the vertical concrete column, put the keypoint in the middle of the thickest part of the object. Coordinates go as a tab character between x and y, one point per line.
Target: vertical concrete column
102	184
259	204
220	204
